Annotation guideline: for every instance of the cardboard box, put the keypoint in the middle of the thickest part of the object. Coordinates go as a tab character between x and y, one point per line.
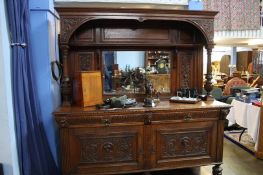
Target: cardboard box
88	88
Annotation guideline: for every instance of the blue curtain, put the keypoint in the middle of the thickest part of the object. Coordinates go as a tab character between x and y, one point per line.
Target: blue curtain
35	157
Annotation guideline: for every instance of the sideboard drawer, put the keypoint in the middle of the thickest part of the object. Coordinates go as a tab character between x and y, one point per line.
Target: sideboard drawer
84	120
187	115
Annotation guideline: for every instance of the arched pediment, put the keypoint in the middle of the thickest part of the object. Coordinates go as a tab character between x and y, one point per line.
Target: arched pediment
203	22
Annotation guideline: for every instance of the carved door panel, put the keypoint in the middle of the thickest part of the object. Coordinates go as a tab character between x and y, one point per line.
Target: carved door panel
183	144
102	149
85	61
189	68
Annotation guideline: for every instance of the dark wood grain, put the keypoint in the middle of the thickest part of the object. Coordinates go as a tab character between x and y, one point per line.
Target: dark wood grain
138	139
86	32
165	137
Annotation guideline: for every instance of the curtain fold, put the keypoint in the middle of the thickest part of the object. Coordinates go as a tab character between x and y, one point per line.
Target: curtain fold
34	154
235	14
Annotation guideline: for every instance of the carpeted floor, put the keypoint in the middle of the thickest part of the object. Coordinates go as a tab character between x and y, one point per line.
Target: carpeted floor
246	141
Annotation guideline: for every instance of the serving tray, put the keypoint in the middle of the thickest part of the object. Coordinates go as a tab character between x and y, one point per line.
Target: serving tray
185	100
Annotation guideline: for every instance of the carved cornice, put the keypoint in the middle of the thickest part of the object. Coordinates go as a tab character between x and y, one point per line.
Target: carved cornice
69	24
207	25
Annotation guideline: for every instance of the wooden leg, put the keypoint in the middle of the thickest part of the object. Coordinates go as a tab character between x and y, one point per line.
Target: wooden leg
217	170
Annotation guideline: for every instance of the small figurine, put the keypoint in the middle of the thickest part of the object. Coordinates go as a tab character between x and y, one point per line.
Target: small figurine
149	101
149	89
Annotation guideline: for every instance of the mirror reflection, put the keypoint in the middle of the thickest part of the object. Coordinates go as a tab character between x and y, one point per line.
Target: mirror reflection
130	71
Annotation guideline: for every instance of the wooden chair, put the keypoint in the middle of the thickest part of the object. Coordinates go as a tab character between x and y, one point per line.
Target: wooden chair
233	83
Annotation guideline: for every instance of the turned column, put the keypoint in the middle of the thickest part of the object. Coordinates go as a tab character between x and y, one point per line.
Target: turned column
208	84
66	83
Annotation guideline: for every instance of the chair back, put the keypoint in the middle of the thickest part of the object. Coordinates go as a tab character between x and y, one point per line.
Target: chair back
234	82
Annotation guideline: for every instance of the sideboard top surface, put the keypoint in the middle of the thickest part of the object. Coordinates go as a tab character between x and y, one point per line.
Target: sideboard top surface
162	106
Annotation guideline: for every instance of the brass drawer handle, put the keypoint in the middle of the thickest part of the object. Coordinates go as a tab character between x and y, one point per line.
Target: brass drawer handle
148	119
106	122
188	117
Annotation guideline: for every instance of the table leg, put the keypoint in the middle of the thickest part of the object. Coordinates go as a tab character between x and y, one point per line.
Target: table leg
241	134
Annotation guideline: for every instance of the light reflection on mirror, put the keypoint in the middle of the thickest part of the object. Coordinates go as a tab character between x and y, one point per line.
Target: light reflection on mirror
127	71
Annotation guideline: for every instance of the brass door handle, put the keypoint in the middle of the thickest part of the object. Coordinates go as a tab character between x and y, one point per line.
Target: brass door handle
106	122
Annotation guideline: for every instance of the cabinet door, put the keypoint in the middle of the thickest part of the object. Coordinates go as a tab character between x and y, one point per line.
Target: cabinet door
105	149
183	144
189	68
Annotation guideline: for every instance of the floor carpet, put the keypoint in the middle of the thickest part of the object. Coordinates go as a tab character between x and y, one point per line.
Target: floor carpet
246	141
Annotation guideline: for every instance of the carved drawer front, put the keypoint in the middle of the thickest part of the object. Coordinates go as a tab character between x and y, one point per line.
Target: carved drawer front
191	143
103	149
187	116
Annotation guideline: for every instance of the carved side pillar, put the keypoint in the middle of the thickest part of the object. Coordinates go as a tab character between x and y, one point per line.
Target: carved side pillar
208	84
66	83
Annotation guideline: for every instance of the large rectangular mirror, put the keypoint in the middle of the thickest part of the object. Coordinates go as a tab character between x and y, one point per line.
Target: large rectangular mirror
129	71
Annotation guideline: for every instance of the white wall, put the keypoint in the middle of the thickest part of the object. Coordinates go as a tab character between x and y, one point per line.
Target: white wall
8	151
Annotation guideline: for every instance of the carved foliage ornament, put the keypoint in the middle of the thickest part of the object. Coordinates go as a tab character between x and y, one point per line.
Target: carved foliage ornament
63	123
107	149
208	27
85	62
185	73
69	24
184	144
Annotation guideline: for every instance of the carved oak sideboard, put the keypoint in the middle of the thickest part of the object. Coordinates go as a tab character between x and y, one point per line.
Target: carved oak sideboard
138	139
141	139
